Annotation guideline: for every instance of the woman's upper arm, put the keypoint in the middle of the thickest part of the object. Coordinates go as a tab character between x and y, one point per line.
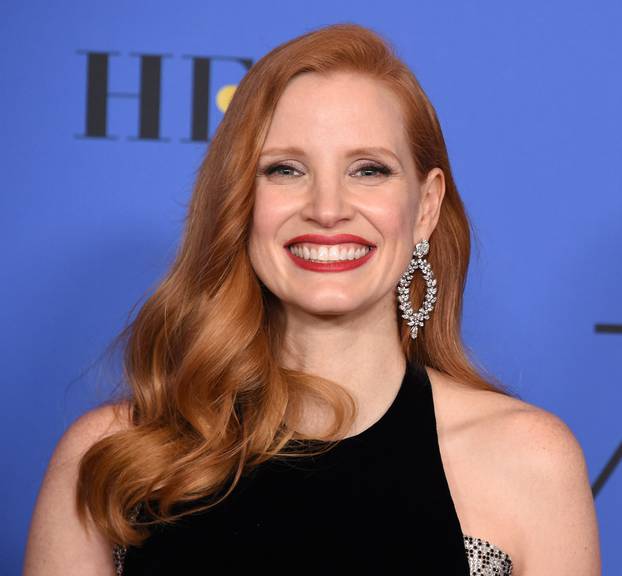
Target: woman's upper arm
57	542
560	529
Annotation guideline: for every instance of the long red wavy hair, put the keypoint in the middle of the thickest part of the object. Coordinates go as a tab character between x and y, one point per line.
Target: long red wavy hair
205	394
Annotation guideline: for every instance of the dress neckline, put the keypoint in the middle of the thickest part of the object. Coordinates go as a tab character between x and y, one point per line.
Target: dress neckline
414	377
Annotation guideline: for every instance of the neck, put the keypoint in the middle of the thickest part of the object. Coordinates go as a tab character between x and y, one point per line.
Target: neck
364	355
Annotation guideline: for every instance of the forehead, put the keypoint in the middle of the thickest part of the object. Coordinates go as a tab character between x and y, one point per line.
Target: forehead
339	110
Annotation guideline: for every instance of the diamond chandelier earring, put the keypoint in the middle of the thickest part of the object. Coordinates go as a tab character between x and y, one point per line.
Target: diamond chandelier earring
415	319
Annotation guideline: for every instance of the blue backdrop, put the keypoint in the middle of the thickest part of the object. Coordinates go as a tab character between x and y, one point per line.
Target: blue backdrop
95	181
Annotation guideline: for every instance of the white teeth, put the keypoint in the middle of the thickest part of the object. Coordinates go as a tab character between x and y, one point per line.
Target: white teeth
329	253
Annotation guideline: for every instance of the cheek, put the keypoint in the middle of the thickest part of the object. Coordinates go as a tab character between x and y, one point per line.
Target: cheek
269	213
394	221
262	218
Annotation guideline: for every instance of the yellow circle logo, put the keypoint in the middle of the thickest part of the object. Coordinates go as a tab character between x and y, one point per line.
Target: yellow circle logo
224	95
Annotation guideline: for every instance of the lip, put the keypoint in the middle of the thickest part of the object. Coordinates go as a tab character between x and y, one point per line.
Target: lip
328	240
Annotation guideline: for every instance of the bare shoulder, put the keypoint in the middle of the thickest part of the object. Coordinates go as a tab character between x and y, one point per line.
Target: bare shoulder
458	405
87	430
520	479
57	542
98	423
491	417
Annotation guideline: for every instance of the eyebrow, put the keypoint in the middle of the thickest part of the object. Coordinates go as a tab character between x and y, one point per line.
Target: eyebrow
353	152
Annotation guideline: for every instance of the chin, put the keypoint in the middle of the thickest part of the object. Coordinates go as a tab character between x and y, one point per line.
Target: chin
326	306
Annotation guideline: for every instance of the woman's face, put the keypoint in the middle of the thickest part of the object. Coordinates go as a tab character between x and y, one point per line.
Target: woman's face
336	161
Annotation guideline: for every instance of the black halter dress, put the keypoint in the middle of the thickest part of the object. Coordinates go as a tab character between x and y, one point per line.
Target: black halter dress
378	502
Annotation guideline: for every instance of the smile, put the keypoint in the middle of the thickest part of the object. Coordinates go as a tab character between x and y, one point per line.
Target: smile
329	258
333	253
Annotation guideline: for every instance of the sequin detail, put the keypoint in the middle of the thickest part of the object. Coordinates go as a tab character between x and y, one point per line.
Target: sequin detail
119	551
486	559
118	557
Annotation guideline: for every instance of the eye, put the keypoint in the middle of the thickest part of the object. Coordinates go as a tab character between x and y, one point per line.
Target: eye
276	169
378	168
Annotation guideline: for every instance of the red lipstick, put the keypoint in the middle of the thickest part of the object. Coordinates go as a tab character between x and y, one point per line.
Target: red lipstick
340	266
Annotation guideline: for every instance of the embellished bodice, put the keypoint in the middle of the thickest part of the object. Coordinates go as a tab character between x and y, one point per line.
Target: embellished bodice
378	501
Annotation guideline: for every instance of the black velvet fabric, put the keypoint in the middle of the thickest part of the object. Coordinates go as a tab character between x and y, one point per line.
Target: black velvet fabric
377	503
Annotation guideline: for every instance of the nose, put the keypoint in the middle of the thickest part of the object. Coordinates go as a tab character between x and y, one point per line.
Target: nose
327	202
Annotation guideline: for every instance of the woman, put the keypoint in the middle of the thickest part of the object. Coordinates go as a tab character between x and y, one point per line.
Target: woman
316	298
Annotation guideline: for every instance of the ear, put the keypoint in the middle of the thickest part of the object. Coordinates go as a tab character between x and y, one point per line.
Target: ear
432	194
